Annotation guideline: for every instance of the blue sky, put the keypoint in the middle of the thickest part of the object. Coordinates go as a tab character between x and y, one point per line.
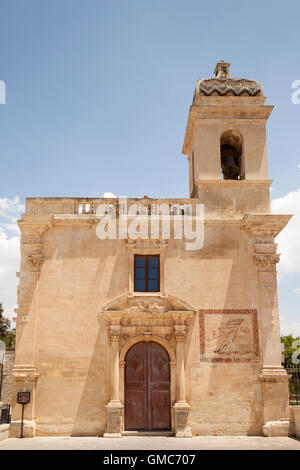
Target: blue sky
98	94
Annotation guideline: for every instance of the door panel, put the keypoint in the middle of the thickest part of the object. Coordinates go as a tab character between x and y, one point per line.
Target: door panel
160	410
135	410
147	388
160	367
136	388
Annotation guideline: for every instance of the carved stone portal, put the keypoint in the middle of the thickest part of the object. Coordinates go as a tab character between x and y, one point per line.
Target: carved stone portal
131	320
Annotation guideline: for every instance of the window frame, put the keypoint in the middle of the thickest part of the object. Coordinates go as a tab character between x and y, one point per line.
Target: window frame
147	257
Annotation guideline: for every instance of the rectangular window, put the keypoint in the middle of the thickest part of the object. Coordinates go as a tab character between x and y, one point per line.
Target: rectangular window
146	273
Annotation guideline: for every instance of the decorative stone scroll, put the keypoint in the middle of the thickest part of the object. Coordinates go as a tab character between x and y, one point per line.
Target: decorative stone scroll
229	335
153	304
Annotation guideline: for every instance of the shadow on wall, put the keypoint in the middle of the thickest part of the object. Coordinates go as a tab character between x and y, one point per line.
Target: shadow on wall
90	417
232	401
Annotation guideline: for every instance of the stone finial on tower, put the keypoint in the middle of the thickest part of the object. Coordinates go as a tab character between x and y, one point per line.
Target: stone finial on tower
222	69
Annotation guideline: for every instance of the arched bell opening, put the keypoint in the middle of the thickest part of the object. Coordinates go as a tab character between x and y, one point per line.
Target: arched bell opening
231	148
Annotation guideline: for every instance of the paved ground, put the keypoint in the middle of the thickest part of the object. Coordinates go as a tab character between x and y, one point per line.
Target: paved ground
152	443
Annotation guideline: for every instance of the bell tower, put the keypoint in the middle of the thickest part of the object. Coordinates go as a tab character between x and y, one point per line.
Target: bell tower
225	142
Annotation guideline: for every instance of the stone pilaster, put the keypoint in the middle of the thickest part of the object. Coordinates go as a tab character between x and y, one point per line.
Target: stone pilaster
273	377
181	407
114	406
31	262
25	374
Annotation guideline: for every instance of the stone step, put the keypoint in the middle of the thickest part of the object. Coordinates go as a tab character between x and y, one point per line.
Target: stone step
148	433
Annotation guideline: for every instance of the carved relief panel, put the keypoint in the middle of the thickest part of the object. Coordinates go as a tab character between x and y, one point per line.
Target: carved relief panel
229	335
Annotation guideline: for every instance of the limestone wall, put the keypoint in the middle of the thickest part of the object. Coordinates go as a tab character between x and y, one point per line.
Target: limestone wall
80	274
68	275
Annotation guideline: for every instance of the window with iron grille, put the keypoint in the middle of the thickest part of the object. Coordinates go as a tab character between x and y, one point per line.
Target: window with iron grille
146	273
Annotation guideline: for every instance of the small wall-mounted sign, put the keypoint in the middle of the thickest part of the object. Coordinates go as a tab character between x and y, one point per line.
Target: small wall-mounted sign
23	398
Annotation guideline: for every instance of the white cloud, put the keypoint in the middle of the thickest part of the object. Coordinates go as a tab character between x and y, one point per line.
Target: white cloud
289	239
10	210
12	227
288	326
10	207
108	194
289	247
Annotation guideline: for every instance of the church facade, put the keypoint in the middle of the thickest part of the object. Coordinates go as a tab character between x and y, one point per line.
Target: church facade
125	334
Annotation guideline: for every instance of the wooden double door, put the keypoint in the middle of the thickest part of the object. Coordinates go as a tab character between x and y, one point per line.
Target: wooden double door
147	388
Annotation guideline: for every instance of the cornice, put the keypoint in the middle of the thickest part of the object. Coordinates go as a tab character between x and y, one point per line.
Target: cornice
265	225
34	225
25	373
76	219
215	111
234	183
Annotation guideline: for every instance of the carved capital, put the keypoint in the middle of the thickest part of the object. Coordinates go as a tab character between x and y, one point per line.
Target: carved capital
179	336
181	318
114	333
267	262
114	337
35	261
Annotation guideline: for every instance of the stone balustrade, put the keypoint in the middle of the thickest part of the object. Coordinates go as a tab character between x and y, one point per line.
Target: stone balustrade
90	206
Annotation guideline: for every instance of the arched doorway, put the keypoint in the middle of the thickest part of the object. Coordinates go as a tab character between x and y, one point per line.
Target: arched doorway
147	388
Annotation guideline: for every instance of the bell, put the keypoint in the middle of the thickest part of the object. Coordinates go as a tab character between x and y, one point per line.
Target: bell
229	168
